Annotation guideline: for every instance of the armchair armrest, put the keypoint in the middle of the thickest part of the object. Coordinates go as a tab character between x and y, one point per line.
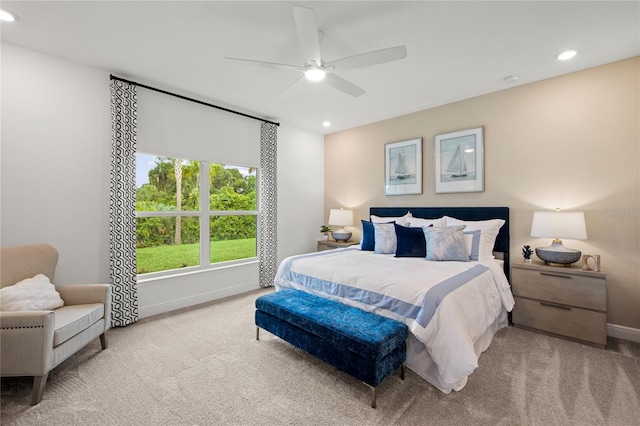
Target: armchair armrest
26	338
80	294
24	319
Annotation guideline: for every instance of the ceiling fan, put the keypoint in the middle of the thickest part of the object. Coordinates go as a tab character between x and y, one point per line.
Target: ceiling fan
315	69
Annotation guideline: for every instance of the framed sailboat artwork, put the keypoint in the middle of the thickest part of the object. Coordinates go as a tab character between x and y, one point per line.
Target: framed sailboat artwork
460	161
403	167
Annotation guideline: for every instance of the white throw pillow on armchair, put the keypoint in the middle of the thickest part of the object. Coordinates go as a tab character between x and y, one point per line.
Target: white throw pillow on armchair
31	294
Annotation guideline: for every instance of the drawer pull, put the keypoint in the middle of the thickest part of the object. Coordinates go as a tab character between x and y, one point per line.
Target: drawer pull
553	305
554	275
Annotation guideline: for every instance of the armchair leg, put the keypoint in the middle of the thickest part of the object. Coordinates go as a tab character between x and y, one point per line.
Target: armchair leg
103	340
39	382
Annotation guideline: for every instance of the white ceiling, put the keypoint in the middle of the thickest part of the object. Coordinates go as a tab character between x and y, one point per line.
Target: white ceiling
455	50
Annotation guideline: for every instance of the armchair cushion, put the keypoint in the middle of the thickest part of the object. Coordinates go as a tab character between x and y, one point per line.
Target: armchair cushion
71	320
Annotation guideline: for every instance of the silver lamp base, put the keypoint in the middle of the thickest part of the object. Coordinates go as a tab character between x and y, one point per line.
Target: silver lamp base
558	254
341	235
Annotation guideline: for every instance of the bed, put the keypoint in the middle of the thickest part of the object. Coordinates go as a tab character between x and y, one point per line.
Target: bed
454	296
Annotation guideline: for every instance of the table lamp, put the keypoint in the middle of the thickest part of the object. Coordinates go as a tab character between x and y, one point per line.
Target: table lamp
557	225
341	218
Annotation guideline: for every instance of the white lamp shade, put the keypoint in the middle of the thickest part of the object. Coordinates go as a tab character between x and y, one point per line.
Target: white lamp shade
559	225
341	217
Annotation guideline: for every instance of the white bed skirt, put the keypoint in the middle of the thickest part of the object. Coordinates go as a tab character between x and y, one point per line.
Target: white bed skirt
419	361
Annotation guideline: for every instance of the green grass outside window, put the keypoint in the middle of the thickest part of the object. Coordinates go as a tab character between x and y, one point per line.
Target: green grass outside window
163	258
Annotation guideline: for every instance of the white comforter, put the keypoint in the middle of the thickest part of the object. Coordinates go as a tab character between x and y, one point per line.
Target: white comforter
453	322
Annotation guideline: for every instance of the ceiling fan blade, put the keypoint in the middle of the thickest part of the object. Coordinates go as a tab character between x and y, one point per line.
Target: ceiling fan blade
291	89
370	58
344	85
267	64
308	33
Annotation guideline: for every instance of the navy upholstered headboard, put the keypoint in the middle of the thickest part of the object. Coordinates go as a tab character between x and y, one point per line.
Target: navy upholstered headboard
463	213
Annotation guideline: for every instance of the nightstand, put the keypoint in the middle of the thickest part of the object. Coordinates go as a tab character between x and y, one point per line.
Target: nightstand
564	301
330	245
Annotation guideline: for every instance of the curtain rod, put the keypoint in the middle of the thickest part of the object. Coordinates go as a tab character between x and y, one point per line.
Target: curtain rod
113	77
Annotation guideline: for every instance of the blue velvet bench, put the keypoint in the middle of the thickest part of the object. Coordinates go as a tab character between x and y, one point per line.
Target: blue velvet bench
367	346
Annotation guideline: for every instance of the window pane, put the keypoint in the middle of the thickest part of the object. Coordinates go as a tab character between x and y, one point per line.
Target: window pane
233	237
232	187
166	184
160	248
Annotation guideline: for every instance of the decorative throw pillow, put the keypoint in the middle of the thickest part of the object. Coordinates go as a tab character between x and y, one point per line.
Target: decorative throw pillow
446	244
410	242
31	294
489	231
385	238
368	240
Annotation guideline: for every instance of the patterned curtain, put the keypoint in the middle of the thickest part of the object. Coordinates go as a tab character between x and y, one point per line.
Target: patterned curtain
268	249
122	224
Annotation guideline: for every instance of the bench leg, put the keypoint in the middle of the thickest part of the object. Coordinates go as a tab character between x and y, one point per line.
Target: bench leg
373	390
373	395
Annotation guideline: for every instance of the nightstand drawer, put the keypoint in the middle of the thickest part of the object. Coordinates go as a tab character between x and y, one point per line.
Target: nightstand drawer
581	324
565	288
330	245
323	247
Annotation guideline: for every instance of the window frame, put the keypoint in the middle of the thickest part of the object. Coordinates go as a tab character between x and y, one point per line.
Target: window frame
205	220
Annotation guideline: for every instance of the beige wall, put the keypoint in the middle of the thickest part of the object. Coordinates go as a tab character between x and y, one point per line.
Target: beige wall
570	142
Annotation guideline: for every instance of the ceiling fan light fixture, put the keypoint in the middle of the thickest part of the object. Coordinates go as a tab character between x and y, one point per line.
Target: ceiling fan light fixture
315	74
7	16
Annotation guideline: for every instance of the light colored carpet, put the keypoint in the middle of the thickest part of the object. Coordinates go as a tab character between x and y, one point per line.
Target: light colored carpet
203	366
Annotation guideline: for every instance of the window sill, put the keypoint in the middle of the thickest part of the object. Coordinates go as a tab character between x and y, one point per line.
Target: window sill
148	280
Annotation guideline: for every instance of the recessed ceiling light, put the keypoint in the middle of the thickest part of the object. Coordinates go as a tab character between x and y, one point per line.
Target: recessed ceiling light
511	79
326	124
566	54
7	16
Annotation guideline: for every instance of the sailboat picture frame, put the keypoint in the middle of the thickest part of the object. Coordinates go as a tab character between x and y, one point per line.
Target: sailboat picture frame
460	161
403	167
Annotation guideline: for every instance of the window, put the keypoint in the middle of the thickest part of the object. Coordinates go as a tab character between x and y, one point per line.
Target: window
173	220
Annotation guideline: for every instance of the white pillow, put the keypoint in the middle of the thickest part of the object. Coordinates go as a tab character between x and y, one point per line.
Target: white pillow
489	231
401	220
416	222
385	238
31	294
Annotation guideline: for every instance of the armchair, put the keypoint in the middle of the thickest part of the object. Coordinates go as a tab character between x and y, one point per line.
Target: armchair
32	343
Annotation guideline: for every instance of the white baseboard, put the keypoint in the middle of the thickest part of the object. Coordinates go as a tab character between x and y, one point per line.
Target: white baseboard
160	308
624	333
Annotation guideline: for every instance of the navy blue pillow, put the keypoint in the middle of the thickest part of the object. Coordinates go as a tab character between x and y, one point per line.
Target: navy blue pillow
411	242
368	241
